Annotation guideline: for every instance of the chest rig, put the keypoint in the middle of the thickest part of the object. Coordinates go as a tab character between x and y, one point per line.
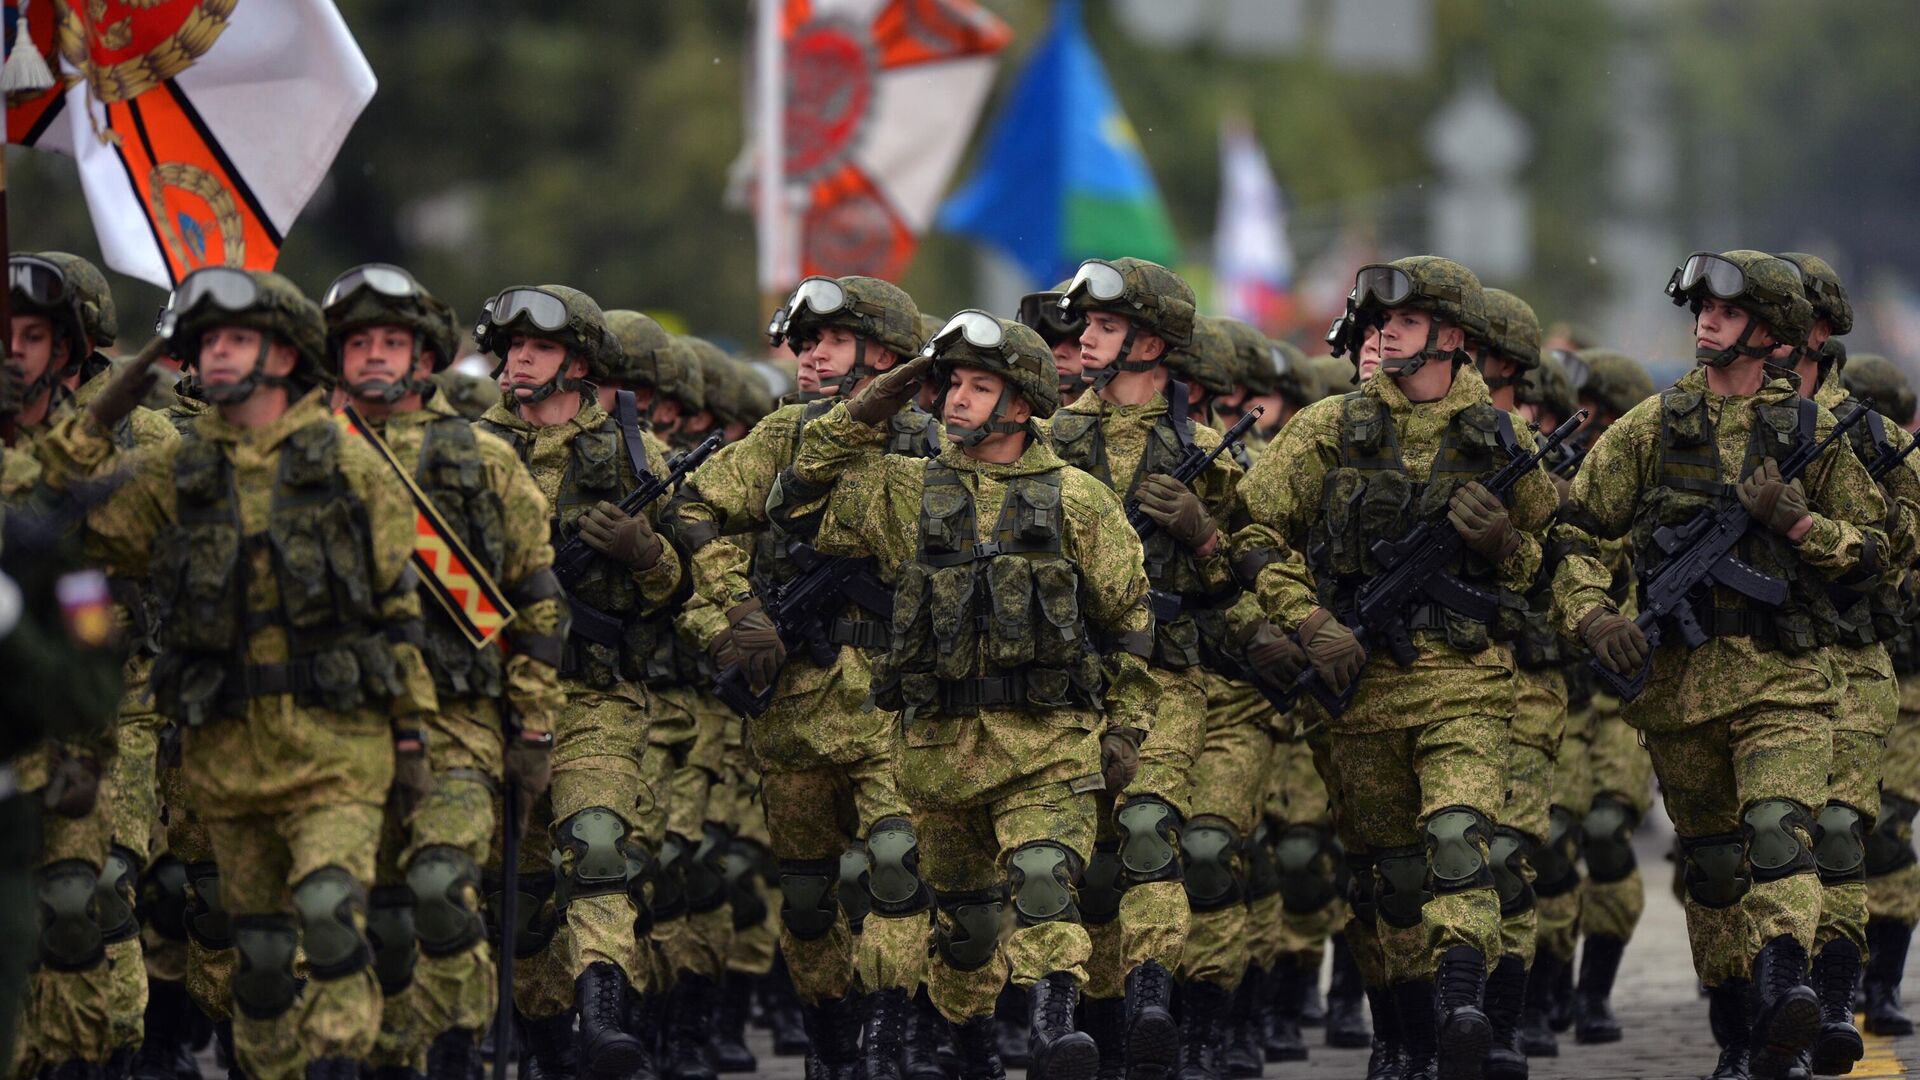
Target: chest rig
992	624
318	544
1687	481
1370	495
452	474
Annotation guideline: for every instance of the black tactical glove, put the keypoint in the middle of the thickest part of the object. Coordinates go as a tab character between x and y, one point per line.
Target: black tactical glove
1482	521
128	388
1175	508
1616	640
625	538
412	776
889	391
529	770
1120	757
1332	649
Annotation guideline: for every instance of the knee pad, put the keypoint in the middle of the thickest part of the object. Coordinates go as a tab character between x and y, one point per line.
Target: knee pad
1209	869
1102	885
207	921
852	891
706	873
393	937
807	907
1778	833
1262	861
163	898
593	845
1716	869
1402	886
69	932
1840	844
327	901
1554	870
535	922
263	983
1363	890
740	866
1508	853
1149	840
1041	873
893	875
114	896
669	878
1307	866
970	943
1607	839
1890	844
1456	837
445	884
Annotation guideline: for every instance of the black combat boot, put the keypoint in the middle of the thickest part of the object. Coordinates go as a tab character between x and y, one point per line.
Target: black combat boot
1106	1020
689	1029
1536	1028
781	1008
729	1041
1346	992
165	1050
1593	1020
547	1049
926	1029
1838	1045
978	1050
833	1034
1241	1052
1887	943
452	1055
884	1038
1729	1018
1388	1059
1059	1052
1419	1030
1506	997
1464	1033
1787	1016
1202	1005
1153	1039
1287	987
1560	1000
607	1051
1011	1013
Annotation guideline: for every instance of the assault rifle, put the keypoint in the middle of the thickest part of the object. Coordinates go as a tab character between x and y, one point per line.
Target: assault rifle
1417	569
576	556
1191	465
1885	461
1700	555
803	609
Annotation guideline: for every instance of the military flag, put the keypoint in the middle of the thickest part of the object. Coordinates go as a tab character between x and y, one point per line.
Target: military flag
1252	262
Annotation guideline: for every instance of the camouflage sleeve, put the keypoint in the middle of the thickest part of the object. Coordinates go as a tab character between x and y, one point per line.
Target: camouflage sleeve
1218	489
533	640
875	505
120	529
150	427
1599	509
661	586
727	495
1113	574
1902	489
1847	542
1281	494
699	622
1534	501
390	521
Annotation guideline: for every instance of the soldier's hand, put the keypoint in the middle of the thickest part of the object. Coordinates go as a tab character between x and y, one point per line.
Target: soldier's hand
1779	505
1120	757
625	538
1332	650
755	643
1616	640
74	786
13	388
1174	507
1276	659
128	388
529	769
412	777
889	391
1482	521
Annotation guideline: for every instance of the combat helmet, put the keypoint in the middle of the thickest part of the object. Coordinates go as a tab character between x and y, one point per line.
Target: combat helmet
1513	330
1548	387
1014	351
262	300
644	355
702	357
1768	288
1874	377
1209	360
380	294
1439	286
872	309
756	397
556	313
1054	324
1828	297
1149	296
1615	381
42	285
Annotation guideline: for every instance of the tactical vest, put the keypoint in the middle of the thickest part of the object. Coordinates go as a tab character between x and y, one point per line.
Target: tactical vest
1370	496
987	625
319	545
453	475
1688	481
134	596
1876	612
1177	591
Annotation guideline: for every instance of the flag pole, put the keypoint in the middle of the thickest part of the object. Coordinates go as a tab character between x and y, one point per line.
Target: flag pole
770	87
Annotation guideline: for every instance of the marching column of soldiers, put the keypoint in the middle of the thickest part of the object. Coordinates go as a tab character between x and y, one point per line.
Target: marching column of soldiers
1060	692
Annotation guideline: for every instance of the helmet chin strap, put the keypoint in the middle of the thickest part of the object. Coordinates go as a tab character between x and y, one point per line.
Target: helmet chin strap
560	383
842	385
995	424
1122	361
1722	357
257	379
1403	366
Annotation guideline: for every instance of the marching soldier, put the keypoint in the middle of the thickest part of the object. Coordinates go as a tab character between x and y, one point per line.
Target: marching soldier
1060	328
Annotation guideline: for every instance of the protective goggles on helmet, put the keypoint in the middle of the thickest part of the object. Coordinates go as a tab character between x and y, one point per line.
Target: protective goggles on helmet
819	295
1101	281
225	288
1577	370
979	329
541	309
1042	313
1722	278
382	278
1387	285
39	281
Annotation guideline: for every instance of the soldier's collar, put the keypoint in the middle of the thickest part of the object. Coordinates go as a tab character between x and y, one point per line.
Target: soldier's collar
305	410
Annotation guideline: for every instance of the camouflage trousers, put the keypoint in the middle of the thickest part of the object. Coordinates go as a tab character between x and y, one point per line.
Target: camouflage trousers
1295	797
1534	737
1558	906
69	1013
1868	709
1622	769
1227	787
1895	895
696	935
755	907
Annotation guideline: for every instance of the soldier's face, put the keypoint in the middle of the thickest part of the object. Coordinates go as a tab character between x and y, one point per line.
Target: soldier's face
380	354
228	354
829	357
34	346
1720	324
697	424
1404	333
532	362
1100	342
1066	358
1370	354
973	394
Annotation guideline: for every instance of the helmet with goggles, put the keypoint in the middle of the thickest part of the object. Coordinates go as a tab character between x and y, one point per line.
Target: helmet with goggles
1148	295
552	312
1011	350
261	300
1042	312
867	307
41	285
1441	287
381	294
1766	287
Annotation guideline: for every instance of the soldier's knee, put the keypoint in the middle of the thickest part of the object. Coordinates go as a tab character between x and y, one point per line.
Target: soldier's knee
1307	868
706	870
893	881
327	901
807	906
1262	857
163	897
535	923
742	864
1508	853
207	921
1716	871
114	896
69	934
593	846
1555	873
1149	840
445	881
1210	870
1363	888
967	938
855	899
1840	844
1607	839
264	986
393	936
1102	885
1777	833
1889	847
1401	886
1041	874
1456	838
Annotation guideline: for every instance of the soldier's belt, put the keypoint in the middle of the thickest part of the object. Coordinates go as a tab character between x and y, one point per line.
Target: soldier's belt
589	622
244	681
982	692
860	633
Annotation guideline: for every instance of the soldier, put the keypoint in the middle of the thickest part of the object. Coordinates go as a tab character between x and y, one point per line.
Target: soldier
1741	772
1893	882
1420	752
387	336
287	751
1005	743
1274	375
1060	328
824	756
